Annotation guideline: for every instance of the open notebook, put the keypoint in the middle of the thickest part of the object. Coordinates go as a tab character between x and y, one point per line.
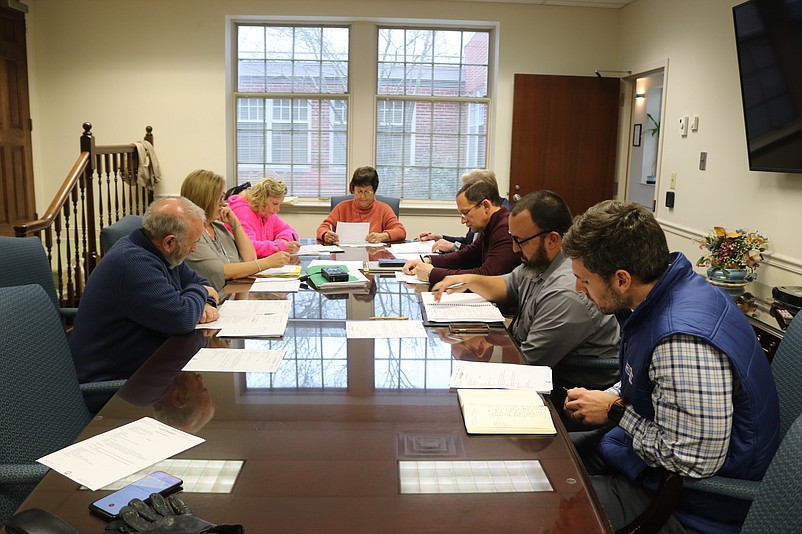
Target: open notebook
504	411
460	307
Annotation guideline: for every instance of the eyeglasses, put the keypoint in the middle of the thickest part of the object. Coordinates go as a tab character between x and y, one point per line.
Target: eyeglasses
464	214
520	242
364	193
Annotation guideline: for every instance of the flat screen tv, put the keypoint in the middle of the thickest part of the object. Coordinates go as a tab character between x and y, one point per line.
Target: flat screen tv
769	41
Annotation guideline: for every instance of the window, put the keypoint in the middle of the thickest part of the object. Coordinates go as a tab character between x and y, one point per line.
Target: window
293	98
291	112
435	82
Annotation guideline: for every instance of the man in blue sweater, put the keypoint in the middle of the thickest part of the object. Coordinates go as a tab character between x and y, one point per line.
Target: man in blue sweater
141	293
696	395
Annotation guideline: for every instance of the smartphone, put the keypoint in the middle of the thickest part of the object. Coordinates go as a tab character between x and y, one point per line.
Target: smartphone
468	328
157	482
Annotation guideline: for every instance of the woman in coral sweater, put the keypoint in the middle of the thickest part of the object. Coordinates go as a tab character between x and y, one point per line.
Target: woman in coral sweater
384	225
257	209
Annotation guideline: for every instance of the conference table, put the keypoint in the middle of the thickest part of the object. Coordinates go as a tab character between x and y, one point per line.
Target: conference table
349	435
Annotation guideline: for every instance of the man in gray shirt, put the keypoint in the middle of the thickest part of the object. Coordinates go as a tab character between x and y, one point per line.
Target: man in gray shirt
552	320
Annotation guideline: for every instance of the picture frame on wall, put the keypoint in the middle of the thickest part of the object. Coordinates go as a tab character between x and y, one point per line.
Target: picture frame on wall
636	134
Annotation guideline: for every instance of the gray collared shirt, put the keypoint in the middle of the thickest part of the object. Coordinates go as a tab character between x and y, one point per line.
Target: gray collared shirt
554	321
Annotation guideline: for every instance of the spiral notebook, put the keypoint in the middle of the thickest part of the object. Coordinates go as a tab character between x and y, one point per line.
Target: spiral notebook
460	308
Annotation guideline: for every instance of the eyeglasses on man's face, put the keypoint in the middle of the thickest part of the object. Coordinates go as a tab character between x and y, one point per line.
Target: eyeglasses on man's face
363	192
464	214
520	242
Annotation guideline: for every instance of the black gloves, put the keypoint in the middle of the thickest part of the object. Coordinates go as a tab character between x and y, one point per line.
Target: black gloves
165	516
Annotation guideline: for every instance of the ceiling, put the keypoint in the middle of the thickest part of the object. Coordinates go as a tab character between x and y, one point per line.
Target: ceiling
613	4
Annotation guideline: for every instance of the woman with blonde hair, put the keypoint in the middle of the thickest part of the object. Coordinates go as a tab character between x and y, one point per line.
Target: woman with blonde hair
257	208
224	251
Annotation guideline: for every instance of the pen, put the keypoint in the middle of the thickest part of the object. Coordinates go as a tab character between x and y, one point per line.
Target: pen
388	318
455	286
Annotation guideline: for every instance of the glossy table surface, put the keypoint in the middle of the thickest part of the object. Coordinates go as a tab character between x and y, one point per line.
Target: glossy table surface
323	437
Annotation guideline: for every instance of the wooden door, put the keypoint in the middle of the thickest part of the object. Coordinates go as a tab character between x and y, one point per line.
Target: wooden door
564	132
16	164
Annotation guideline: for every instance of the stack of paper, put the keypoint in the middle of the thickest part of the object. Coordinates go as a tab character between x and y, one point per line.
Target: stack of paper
486	375
460	307
251	318
355	278
317	250
288	271
504	411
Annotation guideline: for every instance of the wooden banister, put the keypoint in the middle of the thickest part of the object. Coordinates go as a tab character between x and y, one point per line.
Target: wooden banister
100	189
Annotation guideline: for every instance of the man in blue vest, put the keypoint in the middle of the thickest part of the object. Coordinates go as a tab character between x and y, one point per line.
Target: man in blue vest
696	395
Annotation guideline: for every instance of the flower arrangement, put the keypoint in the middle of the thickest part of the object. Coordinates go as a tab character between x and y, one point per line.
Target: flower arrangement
731	250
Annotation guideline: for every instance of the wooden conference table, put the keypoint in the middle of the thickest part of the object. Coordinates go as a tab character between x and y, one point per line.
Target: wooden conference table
324	438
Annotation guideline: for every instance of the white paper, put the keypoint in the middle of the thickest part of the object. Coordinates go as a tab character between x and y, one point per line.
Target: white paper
287	271
236	360
102	459
454	298
233	312
256	326
412	247
486	375
406	257
316	250
409	278
352	232
387	328
274	285
460	307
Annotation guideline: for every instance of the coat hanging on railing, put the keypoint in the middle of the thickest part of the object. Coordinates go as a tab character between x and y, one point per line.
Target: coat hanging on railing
149	173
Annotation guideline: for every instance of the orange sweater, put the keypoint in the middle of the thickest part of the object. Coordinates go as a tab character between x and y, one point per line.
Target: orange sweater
379	215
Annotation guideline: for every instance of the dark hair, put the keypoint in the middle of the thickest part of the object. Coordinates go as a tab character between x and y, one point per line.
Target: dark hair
615	235
366	175
547	209
479	189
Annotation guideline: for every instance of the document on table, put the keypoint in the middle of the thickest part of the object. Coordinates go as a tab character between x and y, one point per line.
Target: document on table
317	250
233	312
288	271
486	375
384	329
353	233
102	459
236	360
274	285
412	247
460	307
504	411
409	278
256	326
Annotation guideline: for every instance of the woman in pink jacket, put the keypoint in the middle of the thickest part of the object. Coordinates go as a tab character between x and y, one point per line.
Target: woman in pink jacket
257	210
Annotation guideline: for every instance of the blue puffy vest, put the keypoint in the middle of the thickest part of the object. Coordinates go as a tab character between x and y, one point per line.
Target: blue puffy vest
682	302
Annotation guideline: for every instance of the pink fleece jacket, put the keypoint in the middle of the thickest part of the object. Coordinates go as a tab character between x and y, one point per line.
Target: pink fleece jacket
265	232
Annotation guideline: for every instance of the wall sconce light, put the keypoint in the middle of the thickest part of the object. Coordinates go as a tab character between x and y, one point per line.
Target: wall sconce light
640	95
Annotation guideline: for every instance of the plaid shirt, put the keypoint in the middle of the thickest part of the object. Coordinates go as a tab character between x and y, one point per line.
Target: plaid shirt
692	399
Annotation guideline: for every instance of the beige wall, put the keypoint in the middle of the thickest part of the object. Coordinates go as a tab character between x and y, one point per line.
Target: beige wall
697	39
128	63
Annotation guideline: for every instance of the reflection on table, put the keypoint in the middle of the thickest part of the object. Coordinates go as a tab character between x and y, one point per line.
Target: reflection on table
325	439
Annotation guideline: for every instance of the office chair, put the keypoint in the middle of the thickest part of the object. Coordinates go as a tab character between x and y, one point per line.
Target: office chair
44	408
110	234
787	370
775	507
393	202
23	261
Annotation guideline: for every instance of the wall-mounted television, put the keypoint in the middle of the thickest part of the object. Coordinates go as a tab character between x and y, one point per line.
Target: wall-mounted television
768	34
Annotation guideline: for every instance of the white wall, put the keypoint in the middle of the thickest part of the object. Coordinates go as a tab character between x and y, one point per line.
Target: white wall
124	64
697	39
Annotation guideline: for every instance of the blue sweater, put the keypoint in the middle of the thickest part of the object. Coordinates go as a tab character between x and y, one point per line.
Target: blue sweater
132	303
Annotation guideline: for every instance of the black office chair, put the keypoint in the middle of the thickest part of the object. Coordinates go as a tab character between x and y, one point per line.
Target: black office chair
110	234
43	408
23	261
393	202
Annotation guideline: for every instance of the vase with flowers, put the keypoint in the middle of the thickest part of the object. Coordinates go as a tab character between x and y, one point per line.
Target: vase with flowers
731	257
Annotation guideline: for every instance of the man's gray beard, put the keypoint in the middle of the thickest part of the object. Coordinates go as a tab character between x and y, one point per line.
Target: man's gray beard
533	268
